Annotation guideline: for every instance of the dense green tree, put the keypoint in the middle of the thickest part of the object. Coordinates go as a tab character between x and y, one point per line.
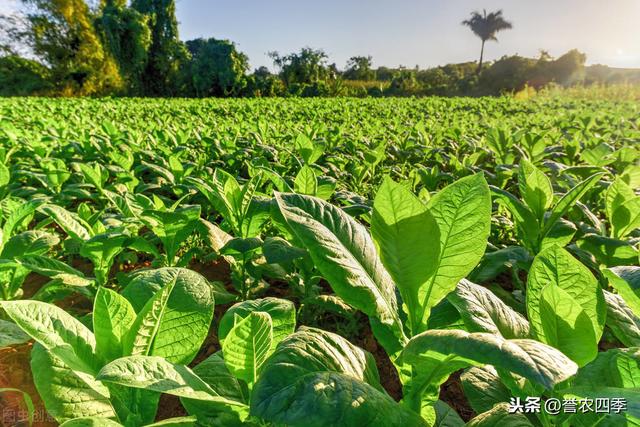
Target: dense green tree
125	32
359	68
308	66
21	77
264	83
486	26
569	68
166	53
216	68
61	34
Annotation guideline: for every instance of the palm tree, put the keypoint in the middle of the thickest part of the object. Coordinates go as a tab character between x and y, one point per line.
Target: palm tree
486	26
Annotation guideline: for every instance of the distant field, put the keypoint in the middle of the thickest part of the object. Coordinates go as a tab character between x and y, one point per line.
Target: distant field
387	262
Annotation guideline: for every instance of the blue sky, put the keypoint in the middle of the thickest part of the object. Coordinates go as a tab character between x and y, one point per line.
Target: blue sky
414	32
422	32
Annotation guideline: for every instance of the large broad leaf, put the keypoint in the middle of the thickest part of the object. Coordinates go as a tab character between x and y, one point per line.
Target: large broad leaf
11	334
408	238
613	374
215	373
247	346
28	243
482	311
556	267
500	416
69	222
496	262
616	195
531	359
625	290
622	207
159	375
626	218
483	388
316	378
535	188
607	251
57	331
64	393
281	311
17	217
306	182
566	326
175	309
624	324
346	256
568	200
112	318
463	214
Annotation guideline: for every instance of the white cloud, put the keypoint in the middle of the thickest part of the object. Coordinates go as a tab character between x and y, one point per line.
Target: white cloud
8	6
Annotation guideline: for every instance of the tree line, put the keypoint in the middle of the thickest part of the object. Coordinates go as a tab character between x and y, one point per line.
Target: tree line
132	48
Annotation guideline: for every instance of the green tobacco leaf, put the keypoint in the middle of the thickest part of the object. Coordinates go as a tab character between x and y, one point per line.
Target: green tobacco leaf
306	182
91	422
626	218
500	416
281	311
5	175
112	318
29	243
172	228
47	266
310	151
566	326
526	222
482	311
247	346
157	374
560	234
316	378
57	331
102	250
613	374
625	290
535	188
11	334
462	211
531	359
568	200
631	274
616	195
483	388
496	262
175	309
176	422
624	324
276	250
67	395
344	253
16	218
607	251
215	373
408	236
69	222
556	267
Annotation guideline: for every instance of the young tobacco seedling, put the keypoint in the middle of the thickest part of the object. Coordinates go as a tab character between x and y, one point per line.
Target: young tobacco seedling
538	220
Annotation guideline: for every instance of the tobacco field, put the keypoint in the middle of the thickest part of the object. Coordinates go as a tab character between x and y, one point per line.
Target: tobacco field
319	262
